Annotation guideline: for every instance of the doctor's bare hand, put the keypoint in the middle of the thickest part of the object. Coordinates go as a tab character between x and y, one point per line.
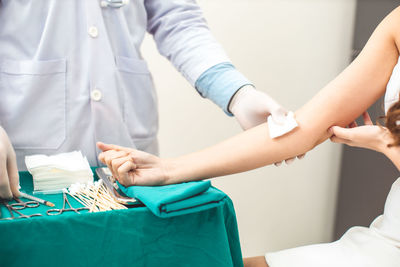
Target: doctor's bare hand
9	178
133	167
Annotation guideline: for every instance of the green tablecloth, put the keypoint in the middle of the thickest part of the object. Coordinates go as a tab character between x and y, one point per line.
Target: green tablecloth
133	237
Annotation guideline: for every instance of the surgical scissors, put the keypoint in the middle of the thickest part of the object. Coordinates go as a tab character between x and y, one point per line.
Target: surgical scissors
21	205
52	212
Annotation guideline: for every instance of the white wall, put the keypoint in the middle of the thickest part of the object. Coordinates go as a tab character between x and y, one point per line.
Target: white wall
290	49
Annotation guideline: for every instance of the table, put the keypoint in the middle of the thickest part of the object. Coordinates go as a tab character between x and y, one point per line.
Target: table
132	237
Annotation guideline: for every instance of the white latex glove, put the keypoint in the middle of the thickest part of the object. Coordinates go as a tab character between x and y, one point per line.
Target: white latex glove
9	178
252	107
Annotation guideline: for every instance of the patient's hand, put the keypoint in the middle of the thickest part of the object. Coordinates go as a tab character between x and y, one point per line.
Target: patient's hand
368	136
132	167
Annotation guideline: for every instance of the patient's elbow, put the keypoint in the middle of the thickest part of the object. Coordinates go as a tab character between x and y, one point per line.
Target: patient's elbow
312	136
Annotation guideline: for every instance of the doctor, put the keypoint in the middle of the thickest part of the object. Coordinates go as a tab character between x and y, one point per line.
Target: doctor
71	73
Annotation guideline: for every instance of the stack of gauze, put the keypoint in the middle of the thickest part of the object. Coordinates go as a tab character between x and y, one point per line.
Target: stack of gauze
58	171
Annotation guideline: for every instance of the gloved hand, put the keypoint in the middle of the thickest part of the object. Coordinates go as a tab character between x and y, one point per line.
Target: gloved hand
9	178
252	107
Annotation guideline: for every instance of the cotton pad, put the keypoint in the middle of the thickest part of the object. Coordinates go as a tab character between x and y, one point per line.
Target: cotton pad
59	171
276	130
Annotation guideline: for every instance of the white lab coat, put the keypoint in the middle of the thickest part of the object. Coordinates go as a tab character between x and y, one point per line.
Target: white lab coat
71	72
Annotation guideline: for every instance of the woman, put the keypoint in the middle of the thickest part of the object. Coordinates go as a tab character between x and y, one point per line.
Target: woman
339	103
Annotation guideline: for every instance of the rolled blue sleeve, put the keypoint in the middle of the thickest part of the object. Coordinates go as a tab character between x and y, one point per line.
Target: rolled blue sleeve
182	35
220	83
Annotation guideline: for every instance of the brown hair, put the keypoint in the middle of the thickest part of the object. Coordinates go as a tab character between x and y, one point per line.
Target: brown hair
392	122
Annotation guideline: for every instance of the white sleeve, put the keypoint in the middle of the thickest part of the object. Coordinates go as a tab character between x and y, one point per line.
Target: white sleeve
359	247
320	255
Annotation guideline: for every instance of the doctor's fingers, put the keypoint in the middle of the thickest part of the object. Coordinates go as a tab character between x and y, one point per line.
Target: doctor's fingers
5	190
126	173
278	164
287	161
279	114
302	156
290	161
13	175
118	162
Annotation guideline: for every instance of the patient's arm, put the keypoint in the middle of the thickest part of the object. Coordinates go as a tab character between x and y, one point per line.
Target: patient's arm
339	103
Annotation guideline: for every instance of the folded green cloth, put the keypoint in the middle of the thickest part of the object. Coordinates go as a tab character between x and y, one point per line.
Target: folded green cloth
177	199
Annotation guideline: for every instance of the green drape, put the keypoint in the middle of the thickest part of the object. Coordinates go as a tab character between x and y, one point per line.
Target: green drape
133	237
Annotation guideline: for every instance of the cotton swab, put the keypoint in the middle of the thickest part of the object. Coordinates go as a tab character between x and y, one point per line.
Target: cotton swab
94	196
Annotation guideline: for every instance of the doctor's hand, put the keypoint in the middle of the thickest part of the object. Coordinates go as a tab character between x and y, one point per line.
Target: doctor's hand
133	167
9	178
368	136
252	107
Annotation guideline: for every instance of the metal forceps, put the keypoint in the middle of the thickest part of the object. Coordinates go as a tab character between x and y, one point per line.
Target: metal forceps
15	207
52	212
20	205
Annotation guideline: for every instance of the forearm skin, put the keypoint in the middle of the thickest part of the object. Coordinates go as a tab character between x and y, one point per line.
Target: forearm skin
339	103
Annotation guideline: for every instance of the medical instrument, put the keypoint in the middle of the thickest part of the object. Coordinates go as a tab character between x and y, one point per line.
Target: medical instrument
94	196
277	130
105	175
20	205
15	208
53	212
114	3
39	200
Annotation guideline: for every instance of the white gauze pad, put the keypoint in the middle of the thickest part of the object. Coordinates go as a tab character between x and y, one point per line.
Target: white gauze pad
276	130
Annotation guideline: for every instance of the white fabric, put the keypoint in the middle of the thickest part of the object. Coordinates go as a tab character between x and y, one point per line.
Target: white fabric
378	245
393	88
71	72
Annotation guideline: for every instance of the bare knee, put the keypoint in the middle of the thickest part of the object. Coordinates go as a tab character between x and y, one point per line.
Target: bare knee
255	262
